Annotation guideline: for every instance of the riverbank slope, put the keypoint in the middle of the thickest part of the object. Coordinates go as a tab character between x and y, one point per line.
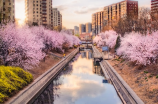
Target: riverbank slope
143	80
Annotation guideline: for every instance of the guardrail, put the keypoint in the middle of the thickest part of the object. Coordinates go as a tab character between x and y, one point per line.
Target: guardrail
33	91
127	95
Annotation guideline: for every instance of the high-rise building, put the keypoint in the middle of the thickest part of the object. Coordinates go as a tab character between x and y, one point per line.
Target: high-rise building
114	12
154	7
88	27
57	17
94	23
7	9
97	22
76	30
82	28
39	12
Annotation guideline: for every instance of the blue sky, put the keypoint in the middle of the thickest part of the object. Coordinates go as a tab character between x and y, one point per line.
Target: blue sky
75	12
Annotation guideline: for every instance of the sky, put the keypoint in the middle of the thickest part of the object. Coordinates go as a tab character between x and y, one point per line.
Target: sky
75	12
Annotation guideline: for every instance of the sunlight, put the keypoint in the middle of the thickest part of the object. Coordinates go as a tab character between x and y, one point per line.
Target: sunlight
20	12
21	22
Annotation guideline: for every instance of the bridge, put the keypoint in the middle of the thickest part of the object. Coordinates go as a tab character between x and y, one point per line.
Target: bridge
89	44
87	41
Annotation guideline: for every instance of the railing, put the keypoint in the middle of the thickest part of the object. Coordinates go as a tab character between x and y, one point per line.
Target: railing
33	91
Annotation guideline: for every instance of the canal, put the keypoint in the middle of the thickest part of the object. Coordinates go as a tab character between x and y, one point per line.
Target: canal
80	82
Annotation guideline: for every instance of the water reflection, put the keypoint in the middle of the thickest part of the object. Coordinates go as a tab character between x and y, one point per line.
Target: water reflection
78	84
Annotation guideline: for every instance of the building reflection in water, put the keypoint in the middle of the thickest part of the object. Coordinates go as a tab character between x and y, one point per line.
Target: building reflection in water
90	56
97	69
51	92
83	54
77	84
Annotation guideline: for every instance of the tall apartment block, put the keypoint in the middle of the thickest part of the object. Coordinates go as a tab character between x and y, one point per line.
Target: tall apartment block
114	12
76	30
39	12
82	28
154	7
7	9
94	24
88	27
97	22
57	17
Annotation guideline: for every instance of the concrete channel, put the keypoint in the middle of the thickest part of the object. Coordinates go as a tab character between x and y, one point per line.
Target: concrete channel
127	95
28	95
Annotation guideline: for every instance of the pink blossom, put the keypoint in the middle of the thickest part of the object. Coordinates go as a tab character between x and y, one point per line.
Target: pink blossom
106	38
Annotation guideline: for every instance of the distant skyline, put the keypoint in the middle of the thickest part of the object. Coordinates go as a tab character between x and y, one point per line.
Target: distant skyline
75	12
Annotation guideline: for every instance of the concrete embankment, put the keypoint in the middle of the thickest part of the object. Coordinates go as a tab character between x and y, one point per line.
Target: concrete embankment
28	95
127	95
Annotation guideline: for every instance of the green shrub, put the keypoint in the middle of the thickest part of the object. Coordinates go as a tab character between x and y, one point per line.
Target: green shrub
2	97
12	79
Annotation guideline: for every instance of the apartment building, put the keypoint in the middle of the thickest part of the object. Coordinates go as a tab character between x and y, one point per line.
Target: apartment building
154	7
57	17
7	9
82	28
97	22
114	12
39	12
76	30
88	27
94	24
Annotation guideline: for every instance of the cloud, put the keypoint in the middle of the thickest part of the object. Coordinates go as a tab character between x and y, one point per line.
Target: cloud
61	7
85	10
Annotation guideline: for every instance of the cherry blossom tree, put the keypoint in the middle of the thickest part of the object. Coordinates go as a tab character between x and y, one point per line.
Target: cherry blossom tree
26	47
19	47
138	48
106	38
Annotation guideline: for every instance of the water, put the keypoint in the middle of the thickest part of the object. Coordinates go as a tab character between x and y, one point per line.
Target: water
80	82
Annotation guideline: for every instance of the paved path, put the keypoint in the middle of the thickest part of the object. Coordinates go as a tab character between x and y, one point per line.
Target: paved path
96	53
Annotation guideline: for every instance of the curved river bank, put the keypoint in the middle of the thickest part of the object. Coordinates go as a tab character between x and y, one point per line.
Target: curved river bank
80	82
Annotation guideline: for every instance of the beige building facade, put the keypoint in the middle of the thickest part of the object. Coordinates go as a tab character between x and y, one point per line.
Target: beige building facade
39	12
88	27
114	12
57	17
97	22
7	9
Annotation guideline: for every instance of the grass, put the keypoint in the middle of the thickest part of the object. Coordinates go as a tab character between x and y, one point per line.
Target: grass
146	72
150	76
12	79
122	60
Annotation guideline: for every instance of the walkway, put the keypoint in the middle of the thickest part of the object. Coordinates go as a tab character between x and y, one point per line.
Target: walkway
96	53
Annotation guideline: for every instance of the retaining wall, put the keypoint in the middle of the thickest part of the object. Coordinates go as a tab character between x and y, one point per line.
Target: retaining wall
28	95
